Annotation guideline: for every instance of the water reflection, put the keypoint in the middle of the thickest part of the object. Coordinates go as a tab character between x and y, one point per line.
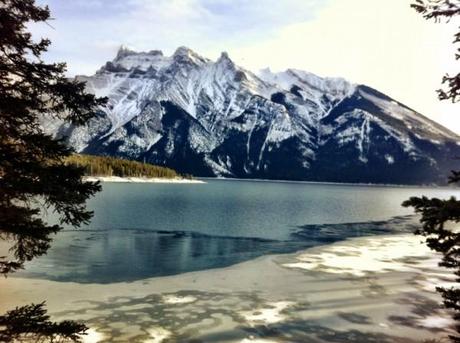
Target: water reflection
107	256
140	231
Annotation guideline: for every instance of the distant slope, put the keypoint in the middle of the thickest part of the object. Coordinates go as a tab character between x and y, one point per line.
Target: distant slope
111	166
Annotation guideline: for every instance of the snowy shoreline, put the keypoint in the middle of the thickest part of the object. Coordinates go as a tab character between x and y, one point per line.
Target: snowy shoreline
141	179
380	288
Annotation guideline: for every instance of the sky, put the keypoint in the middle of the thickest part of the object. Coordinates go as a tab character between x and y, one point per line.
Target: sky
383	44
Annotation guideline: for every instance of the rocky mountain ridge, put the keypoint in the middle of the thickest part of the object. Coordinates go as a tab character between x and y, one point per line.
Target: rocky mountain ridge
214	118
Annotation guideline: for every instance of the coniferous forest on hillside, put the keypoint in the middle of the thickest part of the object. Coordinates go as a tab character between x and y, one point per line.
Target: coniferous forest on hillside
110	166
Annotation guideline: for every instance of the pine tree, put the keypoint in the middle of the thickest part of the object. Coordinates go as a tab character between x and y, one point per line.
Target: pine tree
436	214
439	10
31	323
33	173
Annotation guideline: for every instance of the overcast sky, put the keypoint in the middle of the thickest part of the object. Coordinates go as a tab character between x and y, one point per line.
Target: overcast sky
384	44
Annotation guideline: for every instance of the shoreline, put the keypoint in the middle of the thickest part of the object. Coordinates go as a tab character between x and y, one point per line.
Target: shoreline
389	185
119	179
202	180
380	288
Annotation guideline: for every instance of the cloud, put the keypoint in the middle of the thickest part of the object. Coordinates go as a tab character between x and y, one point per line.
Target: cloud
88	32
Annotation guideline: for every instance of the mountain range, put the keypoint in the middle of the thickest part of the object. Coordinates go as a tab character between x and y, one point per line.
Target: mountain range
214	118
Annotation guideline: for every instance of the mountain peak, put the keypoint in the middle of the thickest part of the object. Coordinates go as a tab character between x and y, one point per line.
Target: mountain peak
224	55
183	51
187	55
225	60
124	51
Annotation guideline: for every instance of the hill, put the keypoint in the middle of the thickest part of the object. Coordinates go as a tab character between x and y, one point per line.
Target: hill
111	166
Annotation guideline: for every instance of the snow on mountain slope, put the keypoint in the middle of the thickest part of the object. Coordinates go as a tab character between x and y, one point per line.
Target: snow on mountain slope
214	118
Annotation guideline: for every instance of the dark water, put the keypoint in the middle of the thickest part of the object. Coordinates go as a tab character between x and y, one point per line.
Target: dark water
145	230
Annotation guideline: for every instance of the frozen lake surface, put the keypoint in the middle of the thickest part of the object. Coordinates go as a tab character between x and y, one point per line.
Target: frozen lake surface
146	230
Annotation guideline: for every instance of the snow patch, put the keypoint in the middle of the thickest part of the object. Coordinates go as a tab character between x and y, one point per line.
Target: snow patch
139	179
376	255
157	335
257	340
173	299
435	322
267	315
390	159
92	336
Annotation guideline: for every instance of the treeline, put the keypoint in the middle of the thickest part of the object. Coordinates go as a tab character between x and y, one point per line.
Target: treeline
111	166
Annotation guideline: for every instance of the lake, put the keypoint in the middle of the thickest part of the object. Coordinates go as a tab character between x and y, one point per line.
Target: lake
145	229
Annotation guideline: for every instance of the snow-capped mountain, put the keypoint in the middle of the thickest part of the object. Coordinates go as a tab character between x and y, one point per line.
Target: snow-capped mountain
214	118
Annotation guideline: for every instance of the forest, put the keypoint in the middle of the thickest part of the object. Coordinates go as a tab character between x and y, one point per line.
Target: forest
111	166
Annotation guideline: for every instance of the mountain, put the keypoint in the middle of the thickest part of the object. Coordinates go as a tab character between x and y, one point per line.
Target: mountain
214	118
